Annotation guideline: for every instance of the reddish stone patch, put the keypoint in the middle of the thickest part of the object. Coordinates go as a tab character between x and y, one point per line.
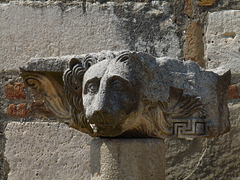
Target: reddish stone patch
19	90
10	91
22	110
12	110
206	2
15	90
233	92
18	111
193	49
188	9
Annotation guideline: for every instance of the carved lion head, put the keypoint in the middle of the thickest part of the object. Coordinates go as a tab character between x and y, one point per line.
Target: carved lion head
136	95
107	97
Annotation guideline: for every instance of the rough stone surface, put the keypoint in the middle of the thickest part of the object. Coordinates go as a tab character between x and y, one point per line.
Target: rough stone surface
127	159
53	64
4	166
222	40
46	151
47	29
206	158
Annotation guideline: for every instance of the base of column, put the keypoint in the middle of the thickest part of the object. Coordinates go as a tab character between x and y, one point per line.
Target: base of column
127	159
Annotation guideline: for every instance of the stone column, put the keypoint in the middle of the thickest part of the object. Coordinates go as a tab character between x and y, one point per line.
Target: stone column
127	159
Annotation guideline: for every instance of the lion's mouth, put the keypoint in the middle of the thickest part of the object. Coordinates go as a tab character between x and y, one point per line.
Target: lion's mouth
101	121
107	120
104	125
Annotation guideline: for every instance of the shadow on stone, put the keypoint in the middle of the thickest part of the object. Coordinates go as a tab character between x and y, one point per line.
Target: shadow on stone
95	156
4	166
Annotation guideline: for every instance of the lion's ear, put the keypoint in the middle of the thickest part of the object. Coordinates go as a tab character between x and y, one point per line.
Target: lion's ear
128	57
73	62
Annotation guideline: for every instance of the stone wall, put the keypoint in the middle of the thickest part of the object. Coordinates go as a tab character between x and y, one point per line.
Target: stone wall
35	145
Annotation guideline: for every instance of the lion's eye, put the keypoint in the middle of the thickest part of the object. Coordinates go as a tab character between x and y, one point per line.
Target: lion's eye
118	85
92	88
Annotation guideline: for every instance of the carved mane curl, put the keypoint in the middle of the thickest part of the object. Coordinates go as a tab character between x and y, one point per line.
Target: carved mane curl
72	78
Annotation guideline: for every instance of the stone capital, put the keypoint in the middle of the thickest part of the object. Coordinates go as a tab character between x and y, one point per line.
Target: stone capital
133	94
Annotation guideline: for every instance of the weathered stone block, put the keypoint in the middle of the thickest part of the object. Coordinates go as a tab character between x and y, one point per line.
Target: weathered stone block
46	151
222	40
127	159
206	159
44	29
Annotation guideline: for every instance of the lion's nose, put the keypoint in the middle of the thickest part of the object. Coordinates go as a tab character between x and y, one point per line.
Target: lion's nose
101	103
98	108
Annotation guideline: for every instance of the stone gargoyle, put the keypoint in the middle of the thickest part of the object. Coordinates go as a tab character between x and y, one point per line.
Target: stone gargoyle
131	94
